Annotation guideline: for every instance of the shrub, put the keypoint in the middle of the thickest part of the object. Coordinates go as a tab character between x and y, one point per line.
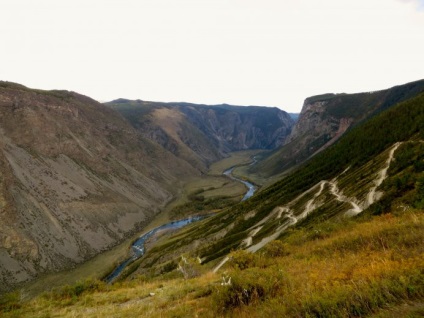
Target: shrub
275	248
248	287
9	302
242	259
74	291
189	267
169	267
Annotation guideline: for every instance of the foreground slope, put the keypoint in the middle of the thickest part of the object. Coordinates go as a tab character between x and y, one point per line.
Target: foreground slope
325	118
75	179
369	265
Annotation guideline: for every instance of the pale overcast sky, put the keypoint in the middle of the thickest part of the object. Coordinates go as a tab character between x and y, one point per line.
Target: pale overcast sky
244	52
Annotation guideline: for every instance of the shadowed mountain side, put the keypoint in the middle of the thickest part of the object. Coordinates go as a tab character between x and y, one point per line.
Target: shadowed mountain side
75	179
202	134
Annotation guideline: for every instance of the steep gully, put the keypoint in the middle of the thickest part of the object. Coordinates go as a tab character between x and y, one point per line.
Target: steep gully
292	219
138	248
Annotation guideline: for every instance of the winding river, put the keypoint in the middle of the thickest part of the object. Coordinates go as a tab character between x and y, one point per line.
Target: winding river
251	187
138	248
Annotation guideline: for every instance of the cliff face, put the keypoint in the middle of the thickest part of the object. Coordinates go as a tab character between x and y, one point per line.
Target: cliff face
202	134
75	179
316	129
325	118
238	128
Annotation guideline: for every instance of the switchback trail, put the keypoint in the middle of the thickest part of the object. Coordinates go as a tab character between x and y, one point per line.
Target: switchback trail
290	218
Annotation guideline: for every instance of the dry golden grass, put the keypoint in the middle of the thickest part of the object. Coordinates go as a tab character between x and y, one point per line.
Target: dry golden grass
353	269
353	272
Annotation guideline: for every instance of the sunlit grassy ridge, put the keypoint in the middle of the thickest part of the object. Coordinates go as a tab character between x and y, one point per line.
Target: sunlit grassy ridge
345	269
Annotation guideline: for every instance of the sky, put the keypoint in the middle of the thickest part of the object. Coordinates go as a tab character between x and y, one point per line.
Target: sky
241	52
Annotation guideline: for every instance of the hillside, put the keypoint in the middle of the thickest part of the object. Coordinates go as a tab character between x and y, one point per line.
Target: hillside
202	134
340	270
78	177
346	231
341	182
324	119
75	179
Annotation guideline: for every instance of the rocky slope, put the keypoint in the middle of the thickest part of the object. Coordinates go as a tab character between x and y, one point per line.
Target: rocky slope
325	118
75	179
202	134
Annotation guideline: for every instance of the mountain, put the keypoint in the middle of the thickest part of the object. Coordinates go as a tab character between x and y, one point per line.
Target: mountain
324	118
202	134
75	179
78	177
338	236
378	165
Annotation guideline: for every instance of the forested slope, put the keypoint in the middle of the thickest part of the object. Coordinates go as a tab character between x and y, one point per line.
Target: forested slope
325	118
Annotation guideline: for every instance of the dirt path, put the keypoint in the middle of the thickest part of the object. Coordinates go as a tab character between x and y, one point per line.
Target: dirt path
310	206
291	218
373	195
249	240
334	190
280	211
217	267
291	221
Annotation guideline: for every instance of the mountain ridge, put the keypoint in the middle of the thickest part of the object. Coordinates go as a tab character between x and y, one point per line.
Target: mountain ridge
209	132
325	118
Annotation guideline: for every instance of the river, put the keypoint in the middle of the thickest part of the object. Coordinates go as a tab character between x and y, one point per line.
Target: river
251	187
138	248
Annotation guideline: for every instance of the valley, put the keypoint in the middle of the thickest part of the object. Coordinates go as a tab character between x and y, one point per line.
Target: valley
215	185
335	227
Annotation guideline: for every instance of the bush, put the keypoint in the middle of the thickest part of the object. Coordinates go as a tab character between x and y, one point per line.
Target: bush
169	267
9	302
275	248
74	291
242	260
248	287
189	267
